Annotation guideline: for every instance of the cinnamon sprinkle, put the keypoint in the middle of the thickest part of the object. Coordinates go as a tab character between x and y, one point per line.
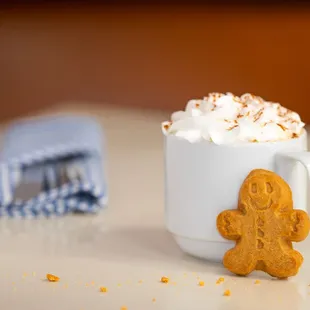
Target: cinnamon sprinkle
167	126
231	128
258	115
282	127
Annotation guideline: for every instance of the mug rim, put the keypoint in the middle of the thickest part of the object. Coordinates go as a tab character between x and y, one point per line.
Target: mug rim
245	144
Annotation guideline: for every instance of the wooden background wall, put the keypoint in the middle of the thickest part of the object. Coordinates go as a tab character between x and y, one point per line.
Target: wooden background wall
156	56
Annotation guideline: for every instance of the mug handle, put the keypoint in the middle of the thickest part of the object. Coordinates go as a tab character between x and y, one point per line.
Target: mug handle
285	163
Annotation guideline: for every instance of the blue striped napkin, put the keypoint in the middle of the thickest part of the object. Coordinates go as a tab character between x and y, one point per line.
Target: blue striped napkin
52	166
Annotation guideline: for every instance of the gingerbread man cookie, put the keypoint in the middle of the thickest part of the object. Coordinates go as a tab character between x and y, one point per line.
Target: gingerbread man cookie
264	226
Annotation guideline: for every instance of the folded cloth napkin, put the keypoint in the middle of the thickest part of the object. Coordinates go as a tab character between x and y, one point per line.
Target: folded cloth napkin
52	166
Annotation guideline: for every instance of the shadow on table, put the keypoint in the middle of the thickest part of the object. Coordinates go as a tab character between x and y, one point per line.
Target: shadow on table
147	244
89	237
86	237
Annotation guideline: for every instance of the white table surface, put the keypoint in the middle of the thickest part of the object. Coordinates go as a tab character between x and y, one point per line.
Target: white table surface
126	248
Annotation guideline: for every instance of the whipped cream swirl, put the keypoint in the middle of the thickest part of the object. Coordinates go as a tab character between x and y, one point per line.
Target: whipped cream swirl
227	119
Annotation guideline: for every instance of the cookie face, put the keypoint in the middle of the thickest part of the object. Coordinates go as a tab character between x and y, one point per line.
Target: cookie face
264	189
260	191
264	226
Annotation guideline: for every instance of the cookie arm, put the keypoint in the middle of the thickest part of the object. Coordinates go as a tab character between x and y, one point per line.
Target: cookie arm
229	224
299	225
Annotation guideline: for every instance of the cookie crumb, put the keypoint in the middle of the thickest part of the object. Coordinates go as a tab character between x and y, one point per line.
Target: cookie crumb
201	283
227	293
123	308
154	299
220	280
52	278
103	289
164	280
257	282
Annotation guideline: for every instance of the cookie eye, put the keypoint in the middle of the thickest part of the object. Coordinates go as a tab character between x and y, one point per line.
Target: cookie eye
254	188
269	187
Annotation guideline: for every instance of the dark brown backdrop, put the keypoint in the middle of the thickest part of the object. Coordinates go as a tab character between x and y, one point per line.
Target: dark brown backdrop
154	56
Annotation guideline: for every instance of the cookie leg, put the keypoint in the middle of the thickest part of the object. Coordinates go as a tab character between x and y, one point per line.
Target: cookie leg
284	264
240	261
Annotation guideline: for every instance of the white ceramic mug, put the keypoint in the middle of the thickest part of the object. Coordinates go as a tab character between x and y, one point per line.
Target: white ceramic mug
202	179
